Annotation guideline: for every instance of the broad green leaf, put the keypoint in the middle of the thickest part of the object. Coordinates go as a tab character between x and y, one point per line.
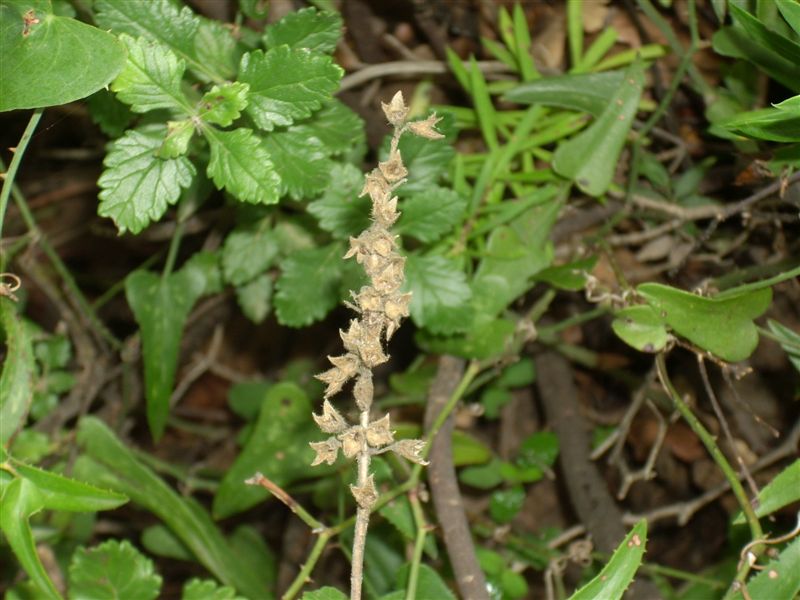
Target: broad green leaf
483	477
245	398
780	578
325	593
771	124
216	48
160	541
62	493
151	78
306	28
590	158
723	327
301	161
505	504
791	12
640	326
163	21
441	296
21	499
519	374
252	552
222	105
136	186
336	126
484	340
248	252
340	210
278	448
108	462
430	214
287	84
112	570
429	584
571	276
255	298
206	589
240	164
782	491
161	306
616	576
50	60
789	341
468	450
16	380
398	512
788	49
587	92
308	287
514	254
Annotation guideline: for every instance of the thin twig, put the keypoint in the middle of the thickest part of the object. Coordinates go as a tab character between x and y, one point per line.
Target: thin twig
410	68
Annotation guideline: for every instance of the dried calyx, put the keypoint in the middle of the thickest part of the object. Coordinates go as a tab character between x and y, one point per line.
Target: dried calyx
380	306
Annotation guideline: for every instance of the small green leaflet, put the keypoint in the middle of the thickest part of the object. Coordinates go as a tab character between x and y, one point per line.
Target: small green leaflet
114	569
306	28
309	285
429	214
241	165
111	115
336	126
206	589
324	593
255	298
287	84
248	252
222	105
137	186
217	49
301	161
441	296
151	78
16	381
641	327
340	210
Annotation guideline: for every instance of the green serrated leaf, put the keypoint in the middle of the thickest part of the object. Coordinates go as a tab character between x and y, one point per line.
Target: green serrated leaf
429	584
110	571
217	49
287	84
618	573
325	593
151	78
780	578
255	298
137	186
724	327
441	297
161	306
301	161
590	158
782	491
206	589
306	28
111	115
641	327
336	126
430	214
176	142
241	165
49	59
224	104
248	252
273	450
340	210
308	286
16	380
398	512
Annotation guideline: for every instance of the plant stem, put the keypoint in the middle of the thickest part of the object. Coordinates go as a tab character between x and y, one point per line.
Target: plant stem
305	572
362	515
419	545
8	180
174	245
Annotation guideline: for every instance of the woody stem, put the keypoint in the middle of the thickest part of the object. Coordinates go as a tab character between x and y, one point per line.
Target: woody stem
362	515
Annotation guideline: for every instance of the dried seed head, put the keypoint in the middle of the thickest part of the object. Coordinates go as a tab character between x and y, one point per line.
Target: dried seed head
385	212
369	299
344	367
327	451
410	450
379	434
396	111
330	421
363	391
366	495
396	306
426	128
393	169
376	186
352	440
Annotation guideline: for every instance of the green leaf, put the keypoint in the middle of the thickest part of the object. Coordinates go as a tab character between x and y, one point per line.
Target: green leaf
493	399
111	115
278	448
287	84
216	49
308	287
590	158
159	540
206	589
398	512
112	570
483	341
587	92
340	210
755	28
245	398
468	450
108	462
306	28
248	252
782	491
780	577
301	161
176	142
616	576
222	105
137	186
519	374
325	593
16	380
640	326
255	298
505	504
789	341
151	78
429	215
255	9
206	265
766	124
240	164
791	12
336	126
161	306
429	584
723	327
51	60
483	477
441	296
571	277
